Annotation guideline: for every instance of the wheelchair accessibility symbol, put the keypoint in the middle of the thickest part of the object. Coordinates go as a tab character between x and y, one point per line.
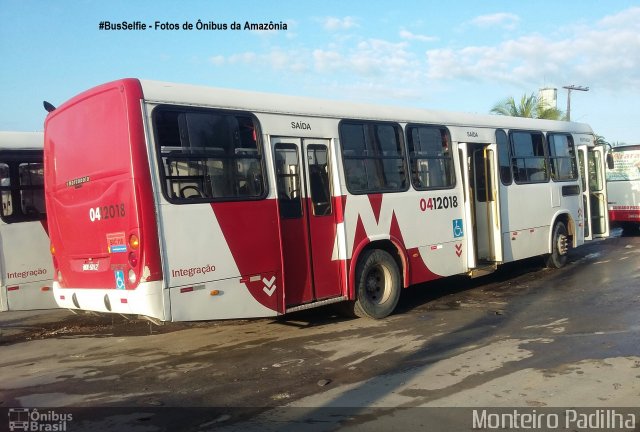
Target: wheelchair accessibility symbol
119	279
458	231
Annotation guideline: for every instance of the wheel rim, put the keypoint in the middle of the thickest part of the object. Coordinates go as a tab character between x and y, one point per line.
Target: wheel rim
378	284
562	244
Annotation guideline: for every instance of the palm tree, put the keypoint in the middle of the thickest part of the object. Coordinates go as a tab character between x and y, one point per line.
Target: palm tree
530	106
600	140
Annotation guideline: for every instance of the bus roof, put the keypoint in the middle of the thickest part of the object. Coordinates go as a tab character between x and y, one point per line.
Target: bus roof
171	93
21	140
625	147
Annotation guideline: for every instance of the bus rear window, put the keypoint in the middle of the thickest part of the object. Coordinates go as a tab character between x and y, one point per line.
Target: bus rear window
208	155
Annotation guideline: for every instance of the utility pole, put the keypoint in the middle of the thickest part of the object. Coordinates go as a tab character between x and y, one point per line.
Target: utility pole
569	88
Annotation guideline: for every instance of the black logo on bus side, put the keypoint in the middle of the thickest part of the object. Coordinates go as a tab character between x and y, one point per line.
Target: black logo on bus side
300	125
76	183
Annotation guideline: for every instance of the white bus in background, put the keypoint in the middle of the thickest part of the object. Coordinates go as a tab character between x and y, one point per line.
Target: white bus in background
25	261
179	202
623	188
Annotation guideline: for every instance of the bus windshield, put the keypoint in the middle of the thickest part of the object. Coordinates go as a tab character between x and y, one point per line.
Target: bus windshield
626	164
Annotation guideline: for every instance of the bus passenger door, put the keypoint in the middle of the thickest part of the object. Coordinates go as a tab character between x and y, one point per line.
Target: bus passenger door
307	220
480	175
594	192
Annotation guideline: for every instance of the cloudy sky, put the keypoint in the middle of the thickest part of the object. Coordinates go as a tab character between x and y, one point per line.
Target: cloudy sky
456	56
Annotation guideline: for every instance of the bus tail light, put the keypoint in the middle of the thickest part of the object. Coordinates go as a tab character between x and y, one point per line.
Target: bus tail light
133	259
132	276
52	249
134	241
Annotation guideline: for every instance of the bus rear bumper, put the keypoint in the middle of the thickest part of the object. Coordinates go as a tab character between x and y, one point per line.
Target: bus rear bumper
631	214
147	299
27	296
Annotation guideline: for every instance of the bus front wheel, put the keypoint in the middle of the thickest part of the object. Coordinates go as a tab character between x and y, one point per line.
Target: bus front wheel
377	285
559	246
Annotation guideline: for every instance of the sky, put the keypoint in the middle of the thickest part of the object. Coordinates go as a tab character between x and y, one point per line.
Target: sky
458	55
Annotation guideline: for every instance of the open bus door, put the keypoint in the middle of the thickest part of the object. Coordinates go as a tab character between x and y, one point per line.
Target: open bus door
307	221
594	191
482	207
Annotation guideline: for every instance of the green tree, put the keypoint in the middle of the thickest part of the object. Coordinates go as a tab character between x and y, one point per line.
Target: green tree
600	140
530	106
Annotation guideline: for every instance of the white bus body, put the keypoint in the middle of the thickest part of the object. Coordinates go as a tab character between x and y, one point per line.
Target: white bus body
231	204
26	271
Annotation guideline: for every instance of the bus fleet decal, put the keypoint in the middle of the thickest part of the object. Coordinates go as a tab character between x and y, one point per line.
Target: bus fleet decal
253	247
76	183
26	273
107	212
116	242
438	203
192	271
374	217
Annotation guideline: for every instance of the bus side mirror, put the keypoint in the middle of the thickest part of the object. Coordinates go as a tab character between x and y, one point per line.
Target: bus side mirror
610	163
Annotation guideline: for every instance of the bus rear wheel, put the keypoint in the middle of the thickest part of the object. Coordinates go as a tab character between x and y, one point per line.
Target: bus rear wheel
377	285
559	246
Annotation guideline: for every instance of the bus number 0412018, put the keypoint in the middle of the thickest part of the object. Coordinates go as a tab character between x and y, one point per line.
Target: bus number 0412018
106	212
438	203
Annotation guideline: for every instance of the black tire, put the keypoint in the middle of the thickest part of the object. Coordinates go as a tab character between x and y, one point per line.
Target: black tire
377	285
559	246
630	229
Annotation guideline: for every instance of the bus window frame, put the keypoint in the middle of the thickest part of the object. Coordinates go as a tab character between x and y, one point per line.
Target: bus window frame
402	157
509	164
452	166
514	157
13	159
573	159
161	166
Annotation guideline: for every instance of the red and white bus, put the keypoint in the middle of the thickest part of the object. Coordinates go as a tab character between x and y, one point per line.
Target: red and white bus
25	262
623	187
180	202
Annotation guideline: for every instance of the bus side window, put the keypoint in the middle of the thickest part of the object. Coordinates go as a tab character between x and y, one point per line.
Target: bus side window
31	188
22	189
504	157
208	154
320	187
431	157
528	157
373	156
288	181
562	157
5	184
